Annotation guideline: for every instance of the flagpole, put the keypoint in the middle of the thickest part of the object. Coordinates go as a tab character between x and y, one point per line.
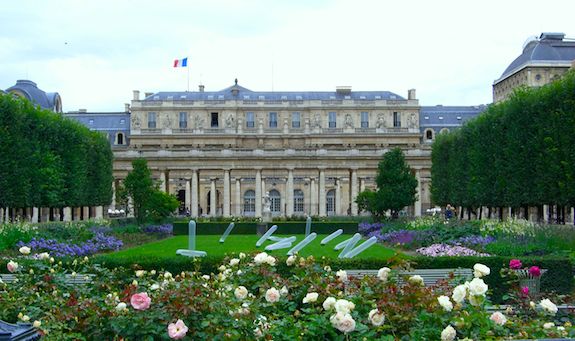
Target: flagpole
187	67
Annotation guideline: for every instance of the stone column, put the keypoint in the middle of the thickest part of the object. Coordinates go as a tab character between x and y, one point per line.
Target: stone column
34	214
417	208
313	197
258	193
188	201
86	212
353	191
263	187
362	184
321	194
67	214
573	215
289	193
213	208
226	193
194	193
238	199
546	213
337	198
1	215
99	212
165	181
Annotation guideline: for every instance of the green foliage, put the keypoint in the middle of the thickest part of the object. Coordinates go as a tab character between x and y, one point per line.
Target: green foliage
517	153
49	160
396	186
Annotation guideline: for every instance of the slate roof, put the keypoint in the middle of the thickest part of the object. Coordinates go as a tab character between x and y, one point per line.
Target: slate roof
548	49
249	95
46	100
103	121
439	116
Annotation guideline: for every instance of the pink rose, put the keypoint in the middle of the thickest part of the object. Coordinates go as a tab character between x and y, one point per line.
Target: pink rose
12	266
140	301
177	330
535	271
525	291
515	264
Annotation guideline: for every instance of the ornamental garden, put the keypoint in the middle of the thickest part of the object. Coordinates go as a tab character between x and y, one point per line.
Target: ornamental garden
122	279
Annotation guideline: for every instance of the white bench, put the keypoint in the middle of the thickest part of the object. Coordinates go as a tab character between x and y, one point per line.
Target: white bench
68	278
430	276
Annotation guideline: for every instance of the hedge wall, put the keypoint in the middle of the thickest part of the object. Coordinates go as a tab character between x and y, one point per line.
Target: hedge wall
558	277
290	227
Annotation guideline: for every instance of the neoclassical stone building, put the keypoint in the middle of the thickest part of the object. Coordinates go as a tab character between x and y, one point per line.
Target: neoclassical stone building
221	151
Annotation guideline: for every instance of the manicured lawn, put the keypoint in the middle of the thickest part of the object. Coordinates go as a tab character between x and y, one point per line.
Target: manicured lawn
243	243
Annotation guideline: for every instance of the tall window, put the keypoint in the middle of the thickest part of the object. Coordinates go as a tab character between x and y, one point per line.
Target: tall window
330	202
275	202
151	120
298	201
273	118
120	138
364	119
250	202
429	135
332	119
183	120
396	119
295	119
250	119
214	121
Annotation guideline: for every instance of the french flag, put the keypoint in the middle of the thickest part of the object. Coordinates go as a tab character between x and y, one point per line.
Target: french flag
181	62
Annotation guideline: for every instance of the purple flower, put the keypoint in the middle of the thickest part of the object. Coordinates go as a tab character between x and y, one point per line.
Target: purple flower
438	250
473	241
98	243
367	228
166	229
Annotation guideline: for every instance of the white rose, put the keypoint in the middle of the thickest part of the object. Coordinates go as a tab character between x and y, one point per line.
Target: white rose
343	322
290	261
310	297
448	334
24	250
459	293
43	256
261	258
284	291
271	260
37	324
327	268
480	270
477	287
383	273
25	318
121	306
153	272
341	275
222	268
167	275
154	286
234	261
445	303
548	306
416	279
140	273
344	306
241	292
206	277
376	318
242	255
548	325
329	303
498	318
272	295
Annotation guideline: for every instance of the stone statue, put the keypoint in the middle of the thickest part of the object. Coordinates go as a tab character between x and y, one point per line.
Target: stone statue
348	121
412	121
167	122
380	124
229	121
136	122
199	121
267	202
317	121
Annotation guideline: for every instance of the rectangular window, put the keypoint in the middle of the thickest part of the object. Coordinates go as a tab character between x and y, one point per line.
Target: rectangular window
183	120
296	119
151	120
332	119
273	116
396	119
250	120
364	119
214	122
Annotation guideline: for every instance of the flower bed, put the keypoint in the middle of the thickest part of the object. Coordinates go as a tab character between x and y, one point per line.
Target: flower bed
247	298
439	250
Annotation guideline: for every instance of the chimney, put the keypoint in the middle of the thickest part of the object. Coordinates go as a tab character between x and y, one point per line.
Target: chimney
201	88
148	94
136	95
343	90
411	94
127	107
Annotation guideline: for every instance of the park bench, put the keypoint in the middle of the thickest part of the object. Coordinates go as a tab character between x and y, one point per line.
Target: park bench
68	279
430	276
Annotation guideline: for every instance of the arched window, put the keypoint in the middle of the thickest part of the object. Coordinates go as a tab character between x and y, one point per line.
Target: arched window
429	134
275	202
119	138
250	203
330	202
298	201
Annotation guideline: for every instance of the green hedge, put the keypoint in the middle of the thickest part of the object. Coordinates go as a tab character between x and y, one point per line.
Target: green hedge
290	227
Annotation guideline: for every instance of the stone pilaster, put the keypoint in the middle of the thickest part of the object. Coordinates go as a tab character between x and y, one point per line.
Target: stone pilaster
337	197
321	194
188	199
67	214
99	212
238	198
194	193
353	191
313	197
226	193
258	193
213	208
86	213
289	193
35	215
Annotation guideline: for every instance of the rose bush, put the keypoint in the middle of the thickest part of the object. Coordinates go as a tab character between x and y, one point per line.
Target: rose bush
242	300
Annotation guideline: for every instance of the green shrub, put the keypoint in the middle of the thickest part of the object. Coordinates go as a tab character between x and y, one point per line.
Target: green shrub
181	228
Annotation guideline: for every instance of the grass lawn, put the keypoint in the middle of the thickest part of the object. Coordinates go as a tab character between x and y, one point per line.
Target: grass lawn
244	243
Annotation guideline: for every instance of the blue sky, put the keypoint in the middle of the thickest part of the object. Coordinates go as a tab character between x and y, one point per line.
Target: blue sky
95	53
